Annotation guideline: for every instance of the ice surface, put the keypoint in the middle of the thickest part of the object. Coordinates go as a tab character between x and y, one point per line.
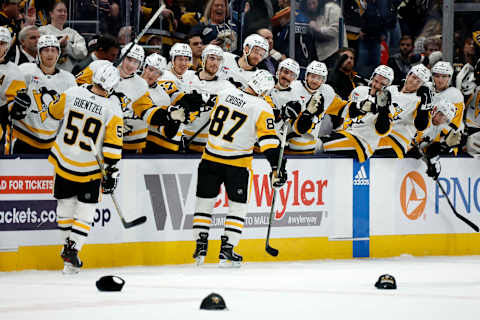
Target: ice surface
428	288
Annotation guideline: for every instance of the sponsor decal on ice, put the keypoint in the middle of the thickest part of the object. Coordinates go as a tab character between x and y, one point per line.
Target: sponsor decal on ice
413	195
169	193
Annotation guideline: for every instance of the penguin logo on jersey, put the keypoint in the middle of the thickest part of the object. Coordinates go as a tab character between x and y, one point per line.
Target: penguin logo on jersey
397	111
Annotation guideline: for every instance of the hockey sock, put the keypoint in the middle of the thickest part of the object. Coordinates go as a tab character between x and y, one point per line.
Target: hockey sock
202	219
234	221
65	211
83	219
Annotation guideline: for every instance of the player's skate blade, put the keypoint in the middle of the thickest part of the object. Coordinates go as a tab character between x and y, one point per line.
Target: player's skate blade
225	263
69	269
200	260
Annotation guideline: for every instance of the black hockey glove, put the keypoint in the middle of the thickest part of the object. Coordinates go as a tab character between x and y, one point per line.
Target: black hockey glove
176	114
366	106
433	167
235	83
383	99
453	138
291	110
277	114
20	105
425	97
191	100
110	180
316	104
279	180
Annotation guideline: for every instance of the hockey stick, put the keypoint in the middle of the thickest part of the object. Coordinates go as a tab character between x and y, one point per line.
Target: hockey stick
189	141
125	223
140	35
459	216
270	250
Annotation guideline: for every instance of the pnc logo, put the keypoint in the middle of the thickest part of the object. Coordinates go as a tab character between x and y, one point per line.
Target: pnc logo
413	195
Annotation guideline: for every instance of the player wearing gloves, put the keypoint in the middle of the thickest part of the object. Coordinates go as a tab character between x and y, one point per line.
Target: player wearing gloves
319	103
411	112
239	118
33	131
88	113
367	118
133	93
12	81
239	70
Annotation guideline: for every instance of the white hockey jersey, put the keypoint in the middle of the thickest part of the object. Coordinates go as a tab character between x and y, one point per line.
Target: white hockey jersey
231	69
472	118
85	116
11	80
452	95
38	129
305	143
238	120
135	100
362	127
403	116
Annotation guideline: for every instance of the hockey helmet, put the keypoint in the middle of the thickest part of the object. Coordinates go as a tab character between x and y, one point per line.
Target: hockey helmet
442	67
291	65
384	71
445	107
110	283
5	35
180	49
211	49
156	61
465	80
256	40
136	52
46	41
213	301
386	281
421	72
317	67
261	82
107	77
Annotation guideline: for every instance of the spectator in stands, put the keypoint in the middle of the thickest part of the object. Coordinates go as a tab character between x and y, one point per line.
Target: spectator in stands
352	13
10	18
38	10
215	28
343	78
72	44
271	62
112	20
257	15
28	38
154	40
402	61
466	53
196	44
106	48
125	35
432	44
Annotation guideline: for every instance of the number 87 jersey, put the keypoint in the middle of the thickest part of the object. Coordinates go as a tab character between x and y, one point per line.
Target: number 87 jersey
238	120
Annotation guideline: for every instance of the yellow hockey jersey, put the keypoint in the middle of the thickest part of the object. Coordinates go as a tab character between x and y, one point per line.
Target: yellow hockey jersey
135	100
452	95
11	80
38	129
238	120
85	116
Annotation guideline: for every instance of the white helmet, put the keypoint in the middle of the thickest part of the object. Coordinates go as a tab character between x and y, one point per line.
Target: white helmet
107	77
156	61
261	82
136	52
211	49
46	41
256	40
443	67
384	71
319	68
180	49
420	71
465	80
445	107
5	36
291	65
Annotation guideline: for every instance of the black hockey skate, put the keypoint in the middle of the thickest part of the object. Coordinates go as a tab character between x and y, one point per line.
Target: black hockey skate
71	262
228	258
201	249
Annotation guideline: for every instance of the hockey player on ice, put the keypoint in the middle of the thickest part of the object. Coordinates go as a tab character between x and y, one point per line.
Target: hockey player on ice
367	118
207	83
239	70
11	81
89	113
319	103
411	112
36	132
239	119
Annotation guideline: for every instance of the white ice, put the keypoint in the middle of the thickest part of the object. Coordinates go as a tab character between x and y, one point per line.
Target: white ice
428	288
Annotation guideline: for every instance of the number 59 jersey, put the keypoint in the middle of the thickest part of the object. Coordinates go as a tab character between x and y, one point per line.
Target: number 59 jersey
85	116
238	120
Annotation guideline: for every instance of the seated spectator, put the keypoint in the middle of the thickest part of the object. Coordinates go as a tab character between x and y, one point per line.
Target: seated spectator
271	62
466	53
342	77
125	35
28	38
72	44
106	48
324	21
196	44
10	18
155	41
214	27
402	61
37	11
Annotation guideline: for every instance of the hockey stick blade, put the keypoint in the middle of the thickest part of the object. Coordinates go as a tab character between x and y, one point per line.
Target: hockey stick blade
271	251
134	223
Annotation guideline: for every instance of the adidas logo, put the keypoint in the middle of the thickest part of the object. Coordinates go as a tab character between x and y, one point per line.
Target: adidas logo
361	178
